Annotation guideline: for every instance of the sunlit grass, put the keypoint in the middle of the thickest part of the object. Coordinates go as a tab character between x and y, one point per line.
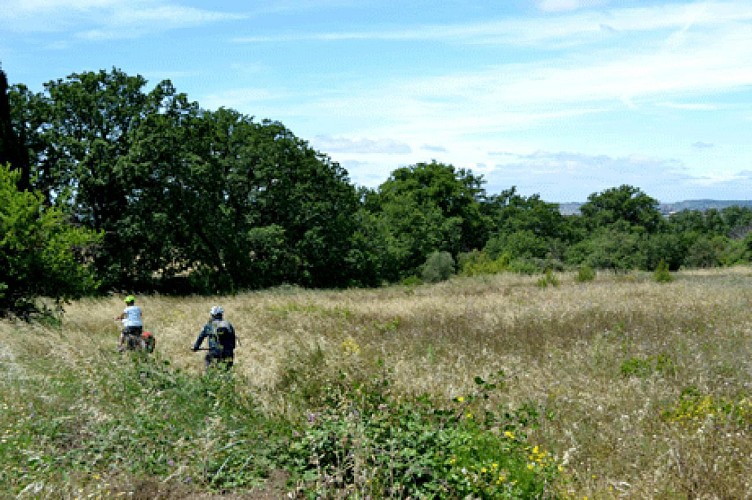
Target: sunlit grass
642	388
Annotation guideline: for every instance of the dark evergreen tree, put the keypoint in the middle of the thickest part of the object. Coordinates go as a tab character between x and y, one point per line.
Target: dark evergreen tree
11	146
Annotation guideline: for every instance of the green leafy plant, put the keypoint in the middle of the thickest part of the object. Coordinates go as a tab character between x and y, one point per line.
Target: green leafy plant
693	408
368	441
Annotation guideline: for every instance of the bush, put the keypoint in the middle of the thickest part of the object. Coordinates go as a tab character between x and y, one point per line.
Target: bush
477	263
585	273
548	279
439	266
662	274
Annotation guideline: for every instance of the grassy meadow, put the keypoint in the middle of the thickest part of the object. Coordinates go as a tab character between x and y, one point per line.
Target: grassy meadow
500	386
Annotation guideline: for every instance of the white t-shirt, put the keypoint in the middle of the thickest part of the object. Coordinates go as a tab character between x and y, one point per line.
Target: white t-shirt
132	316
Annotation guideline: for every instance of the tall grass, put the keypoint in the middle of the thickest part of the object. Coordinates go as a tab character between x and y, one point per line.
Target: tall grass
635	388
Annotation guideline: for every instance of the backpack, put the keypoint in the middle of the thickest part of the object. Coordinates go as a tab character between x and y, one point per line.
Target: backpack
223	335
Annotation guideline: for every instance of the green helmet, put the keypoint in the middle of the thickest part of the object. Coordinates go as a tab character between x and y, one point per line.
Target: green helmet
130	299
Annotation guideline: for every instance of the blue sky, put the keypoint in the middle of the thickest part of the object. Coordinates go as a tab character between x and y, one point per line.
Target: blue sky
561	98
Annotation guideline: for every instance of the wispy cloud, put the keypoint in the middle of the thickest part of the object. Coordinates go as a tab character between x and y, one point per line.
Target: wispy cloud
568	176
689	106
435	149
105	19
568	28
366	146
244	98
703	47
566	5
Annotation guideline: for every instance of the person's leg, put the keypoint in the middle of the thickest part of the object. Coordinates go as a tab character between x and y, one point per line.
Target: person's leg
228	362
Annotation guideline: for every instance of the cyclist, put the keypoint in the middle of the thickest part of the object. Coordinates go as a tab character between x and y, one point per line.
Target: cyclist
133	326
221	339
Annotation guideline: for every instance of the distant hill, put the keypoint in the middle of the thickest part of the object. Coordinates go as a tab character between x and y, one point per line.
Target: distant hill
702	205
572	208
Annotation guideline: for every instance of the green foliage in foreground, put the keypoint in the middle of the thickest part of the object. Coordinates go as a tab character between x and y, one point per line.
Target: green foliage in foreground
112	428
111	431
370	443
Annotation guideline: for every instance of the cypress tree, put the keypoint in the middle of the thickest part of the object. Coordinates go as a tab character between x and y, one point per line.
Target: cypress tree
11	149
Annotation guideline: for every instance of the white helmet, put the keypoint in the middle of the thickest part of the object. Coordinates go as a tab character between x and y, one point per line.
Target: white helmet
216	311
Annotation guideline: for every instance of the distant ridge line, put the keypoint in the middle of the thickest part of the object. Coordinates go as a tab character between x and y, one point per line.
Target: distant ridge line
573	208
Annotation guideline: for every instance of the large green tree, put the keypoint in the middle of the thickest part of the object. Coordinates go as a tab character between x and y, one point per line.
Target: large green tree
622	205
239	204
425	208
76	131
525	227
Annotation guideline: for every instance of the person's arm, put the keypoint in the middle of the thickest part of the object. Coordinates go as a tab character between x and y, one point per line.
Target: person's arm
236	342
200	339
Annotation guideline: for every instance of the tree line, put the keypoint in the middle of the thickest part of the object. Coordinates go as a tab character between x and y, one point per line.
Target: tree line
111	185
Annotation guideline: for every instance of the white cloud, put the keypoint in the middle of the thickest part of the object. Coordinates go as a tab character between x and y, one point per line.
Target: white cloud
360	145
689	106
566	5
569	176
434	148
662	55
104	19
246	98
570	28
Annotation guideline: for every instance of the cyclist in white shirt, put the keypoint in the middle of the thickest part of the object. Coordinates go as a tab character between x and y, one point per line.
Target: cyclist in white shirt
133	325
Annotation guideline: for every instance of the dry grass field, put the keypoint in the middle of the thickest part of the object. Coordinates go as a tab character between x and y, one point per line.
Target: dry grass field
643	388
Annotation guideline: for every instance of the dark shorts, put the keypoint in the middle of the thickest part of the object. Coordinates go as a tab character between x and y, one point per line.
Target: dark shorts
133	339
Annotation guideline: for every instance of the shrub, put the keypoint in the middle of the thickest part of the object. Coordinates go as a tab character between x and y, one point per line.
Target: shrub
548	279
439	266
478	263
585	273
662	274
